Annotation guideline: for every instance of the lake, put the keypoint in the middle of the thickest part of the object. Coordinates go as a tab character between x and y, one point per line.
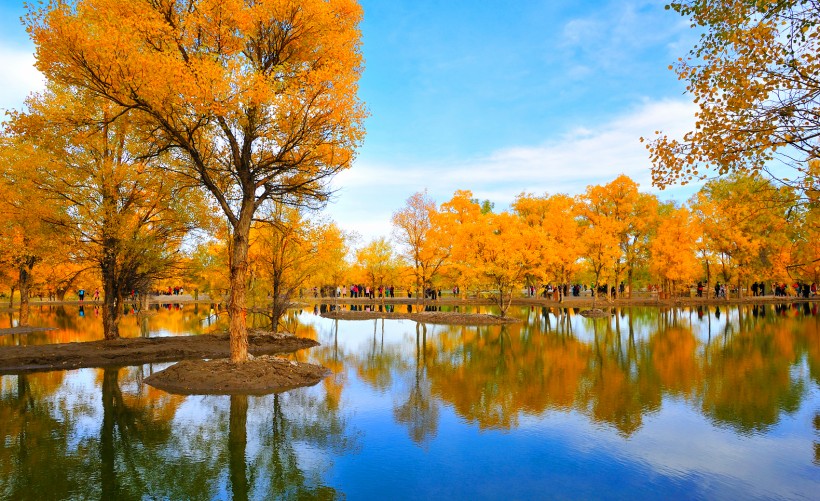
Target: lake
690	403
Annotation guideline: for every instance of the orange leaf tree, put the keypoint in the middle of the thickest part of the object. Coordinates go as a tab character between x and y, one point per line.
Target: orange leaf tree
494	252
673	249
380	266
753	75
125	217
745	221
417	228
290	249
26	241
556	233
258	98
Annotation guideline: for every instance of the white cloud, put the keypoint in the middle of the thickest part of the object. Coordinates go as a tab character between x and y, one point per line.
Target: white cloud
19	77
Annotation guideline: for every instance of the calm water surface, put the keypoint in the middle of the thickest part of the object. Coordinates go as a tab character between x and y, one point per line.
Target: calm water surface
672	404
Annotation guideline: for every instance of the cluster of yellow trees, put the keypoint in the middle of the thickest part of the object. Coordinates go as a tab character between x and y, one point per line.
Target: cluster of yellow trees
739	229
157	111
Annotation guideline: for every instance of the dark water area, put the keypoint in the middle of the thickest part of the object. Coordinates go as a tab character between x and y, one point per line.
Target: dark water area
692	403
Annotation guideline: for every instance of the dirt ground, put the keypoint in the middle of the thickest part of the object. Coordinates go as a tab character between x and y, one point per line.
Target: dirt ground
133	351
427	317
259	375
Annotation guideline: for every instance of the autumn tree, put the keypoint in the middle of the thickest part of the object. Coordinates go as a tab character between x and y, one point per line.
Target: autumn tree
417	228
630	215
206	265
121	214
494	251
378	263
459	219
25	239
257	98
673	249
745	222
289	248
556	232
753	75
602	216
805	244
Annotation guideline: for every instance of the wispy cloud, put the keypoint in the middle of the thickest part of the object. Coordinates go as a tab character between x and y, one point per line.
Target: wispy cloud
19	77
613	37
593	154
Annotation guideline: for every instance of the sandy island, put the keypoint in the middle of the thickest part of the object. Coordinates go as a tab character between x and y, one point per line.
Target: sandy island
259	375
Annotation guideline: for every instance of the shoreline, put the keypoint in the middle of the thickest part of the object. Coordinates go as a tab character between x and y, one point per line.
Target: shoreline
568	302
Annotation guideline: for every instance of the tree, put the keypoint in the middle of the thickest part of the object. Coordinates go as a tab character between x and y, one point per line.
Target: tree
416	227
459	220
753	75
25	240
745	223
673	249
122	214
289	249
257	98
378	262
499	250
557	233
603	212
629	215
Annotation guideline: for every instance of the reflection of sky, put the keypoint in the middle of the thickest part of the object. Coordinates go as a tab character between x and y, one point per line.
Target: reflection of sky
677	452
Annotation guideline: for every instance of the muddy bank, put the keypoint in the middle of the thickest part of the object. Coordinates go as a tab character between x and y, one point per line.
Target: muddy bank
427	317
25	330
259	375
135	351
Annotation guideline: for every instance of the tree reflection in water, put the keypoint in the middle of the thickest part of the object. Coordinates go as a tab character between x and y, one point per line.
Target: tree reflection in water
143	450
420	412
736	368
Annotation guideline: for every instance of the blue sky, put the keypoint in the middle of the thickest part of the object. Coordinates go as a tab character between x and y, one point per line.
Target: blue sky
497	97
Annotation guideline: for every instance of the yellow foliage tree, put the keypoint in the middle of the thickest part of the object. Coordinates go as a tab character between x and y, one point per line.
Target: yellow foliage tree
753	75
289	249
497	252
417	228
25	240
673	250
745	223
258	98
121	214
556	232
380	266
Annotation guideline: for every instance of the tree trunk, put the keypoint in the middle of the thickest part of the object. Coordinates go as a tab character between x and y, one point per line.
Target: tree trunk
708	279
281	300
112	296
11	296
237	311
24	284
143	301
